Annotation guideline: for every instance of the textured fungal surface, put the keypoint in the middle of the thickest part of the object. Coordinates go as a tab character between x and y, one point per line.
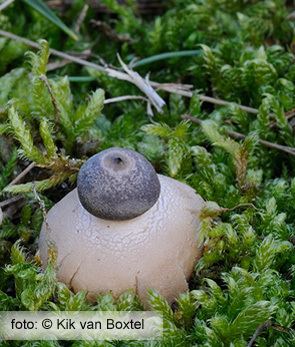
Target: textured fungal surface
118	184
155	250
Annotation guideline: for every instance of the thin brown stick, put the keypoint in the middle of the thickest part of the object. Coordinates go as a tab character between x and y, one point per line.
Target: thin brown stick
289	115
81	18
5	4
10	200
239	136
22	174
227	103
57	111
287	149
184	92
246	204
40	202
134	78
60	63
55	52
291	16
281	328
107	30
179	89
258	331
57	64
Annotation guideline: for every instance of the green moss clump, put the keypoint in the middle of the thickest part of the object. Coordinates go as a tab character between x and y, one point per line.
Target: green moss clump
243	53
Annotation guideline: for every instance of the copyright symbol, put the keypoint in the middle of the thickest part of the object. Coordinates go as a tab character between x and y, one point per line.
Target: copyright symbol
46	323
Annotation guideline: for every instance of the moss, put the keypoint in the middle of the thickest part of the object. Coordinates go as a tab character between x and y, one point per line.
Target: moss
246	276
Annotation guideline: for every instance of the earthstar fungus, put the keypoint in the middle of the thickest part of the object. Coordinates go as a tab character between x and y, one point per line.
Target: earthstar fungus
125	226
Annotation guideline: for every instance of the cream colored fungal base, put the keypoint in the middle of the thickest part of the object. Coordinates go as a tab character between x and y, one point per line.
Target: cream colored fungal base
155	250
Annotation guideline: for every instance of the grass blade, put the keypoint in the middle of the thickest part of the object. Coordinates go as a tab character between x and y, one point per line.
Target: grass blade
167	55
45	11
81	78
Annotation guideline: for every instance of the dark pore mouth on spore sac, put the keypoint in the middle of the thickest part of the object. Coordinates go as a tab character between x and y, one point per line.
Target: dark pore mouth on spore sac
118	161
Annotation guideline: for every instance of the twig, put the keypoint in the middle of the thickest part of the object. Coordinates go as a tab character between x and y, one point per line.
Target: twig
282	329
130	76
57	111
60	63
57	64
173	86
144	85
109	71
124	98
109	32
52	51
226	103
236	135
179	89
258	331
131	97
287	149
207	210
291	16
246	204
40	202
289	115
176	89
10	200
5	4
22	174
81	18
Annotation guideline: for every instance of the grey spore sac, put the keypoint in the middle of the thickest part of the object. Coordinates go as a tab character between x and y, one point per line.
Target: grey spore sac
118	184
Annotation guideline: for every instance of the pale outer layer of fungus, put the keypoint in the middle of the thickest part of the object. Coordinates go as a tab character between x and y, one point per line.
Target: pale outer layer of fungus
157	249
